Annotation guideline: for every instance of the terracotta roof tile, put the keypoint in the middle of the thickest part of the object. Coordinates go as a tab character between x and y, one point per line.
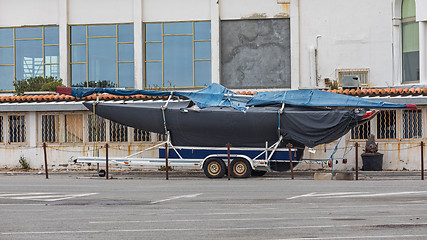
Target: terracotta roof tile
353	92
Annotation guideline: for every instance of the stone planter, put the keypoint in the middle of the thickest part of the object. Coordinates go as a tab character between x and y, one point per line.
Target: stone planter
372	161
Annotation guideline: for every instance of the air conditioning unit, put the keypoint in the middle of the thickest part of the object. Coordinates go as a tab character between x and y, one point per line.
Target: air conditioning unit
350	82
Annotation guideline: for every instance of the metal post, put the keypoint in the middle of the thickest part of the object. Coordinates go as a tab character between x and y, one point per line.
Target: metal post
106	161
422	160
228	158
166	161
45	161
290	160
356	145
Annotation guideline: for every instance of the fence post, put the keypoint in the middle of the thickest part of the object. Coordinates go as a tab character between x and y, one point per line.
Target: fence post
290	160
106	161
166	161
356	145
228	158
422	160
45	161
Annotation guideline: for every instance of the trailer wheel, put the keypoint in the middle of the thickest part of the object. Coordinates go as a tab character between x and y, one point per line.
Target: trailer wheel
256	173
240	168
214	168
101	173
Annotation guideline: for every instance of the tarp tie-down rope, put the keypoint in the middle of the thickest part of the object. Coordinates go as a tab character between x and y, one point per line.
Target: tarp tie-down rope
331	158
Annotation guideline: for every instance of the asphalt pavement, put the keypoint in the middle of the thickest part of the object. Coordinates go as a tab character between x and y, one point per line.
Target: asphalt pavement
83	206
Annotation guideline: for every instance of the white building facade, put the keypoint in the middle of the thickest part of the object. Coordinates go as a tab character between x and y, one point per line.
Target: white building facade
188	44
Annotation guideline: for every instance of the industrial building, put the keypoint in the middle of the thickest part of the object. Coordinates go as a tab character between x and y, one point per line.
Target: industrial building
245	45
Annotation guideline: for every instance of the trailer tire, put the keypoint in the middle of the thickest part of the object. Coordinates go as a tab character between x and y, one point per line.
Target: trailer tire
256	173
240	168
214	168
101	173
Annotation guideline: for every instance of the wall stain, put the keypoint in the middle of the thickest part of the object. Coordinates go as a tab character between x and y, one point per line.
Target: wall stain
256	16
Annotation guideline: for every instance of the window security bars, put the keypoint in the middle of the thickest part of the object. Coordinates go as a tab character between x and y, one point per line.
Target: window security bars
141	136
50	128
412	124
386	124
73	128
362	73
161	137
362	131
17	128
97	128
118	132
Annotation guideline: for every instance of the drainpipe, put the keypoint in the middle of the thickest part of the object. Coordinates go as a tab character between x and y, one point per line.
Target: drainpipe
314	65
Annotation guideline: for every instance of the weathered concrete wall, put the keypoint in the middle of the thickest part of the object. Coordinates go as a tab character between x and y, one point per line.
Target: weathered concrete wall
256	53
61	156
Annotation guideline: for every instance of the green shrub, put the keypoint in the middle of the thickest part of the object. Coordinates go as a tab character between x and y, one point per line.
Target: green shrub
24	163
96	84
35	84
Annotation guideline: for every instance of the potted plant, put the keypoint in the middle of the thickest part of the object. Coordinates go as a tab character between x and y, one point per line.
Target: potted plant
372	160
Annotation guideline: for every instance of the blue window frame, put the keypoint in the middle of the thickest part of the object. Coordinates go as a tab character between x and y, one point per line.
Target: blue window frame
27	52
177	55
102	53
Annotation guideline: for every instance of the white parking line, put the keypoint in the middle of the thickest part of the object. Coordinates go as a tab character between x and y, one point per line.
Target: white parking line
354	194
378	194
358	237
167	229
223	229
177	197
314	194
45	197
246	219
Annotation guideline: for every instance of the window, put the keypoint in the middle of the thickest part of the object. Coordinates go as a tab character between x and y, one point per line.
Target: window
412	124
362	73
17	128
161	137
73	128
177	54
362	131
50	128
410	43
141	136
27	52
386	124
96	128
102	52
118	132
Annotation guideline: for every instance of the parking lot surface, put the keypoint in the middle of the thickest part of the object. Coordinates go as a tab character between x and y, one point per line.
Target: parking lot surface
75	207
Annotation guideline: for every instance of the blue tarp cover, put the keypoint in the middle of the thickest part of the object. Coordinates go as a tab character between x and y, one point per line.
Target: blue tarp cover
217	95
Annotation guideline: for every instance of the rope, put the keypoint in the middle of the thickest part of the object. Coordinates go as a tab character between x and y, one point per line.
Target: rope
331	158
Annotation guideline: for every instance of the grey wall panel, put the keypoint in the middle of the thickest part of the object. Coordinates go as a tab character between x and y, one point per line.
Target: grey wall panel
256	53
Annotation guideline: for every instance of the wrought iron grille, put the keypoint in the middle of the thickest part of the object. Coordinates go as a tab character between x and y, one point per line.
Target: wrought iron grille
362	73
161	137
17	128
50	128
97	128
118	132
412	124
362	131
73	128
386	124
141	136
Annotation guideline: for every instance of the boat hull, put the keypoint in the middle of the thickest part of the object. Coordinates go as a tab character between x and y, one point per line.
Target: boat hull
217	126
